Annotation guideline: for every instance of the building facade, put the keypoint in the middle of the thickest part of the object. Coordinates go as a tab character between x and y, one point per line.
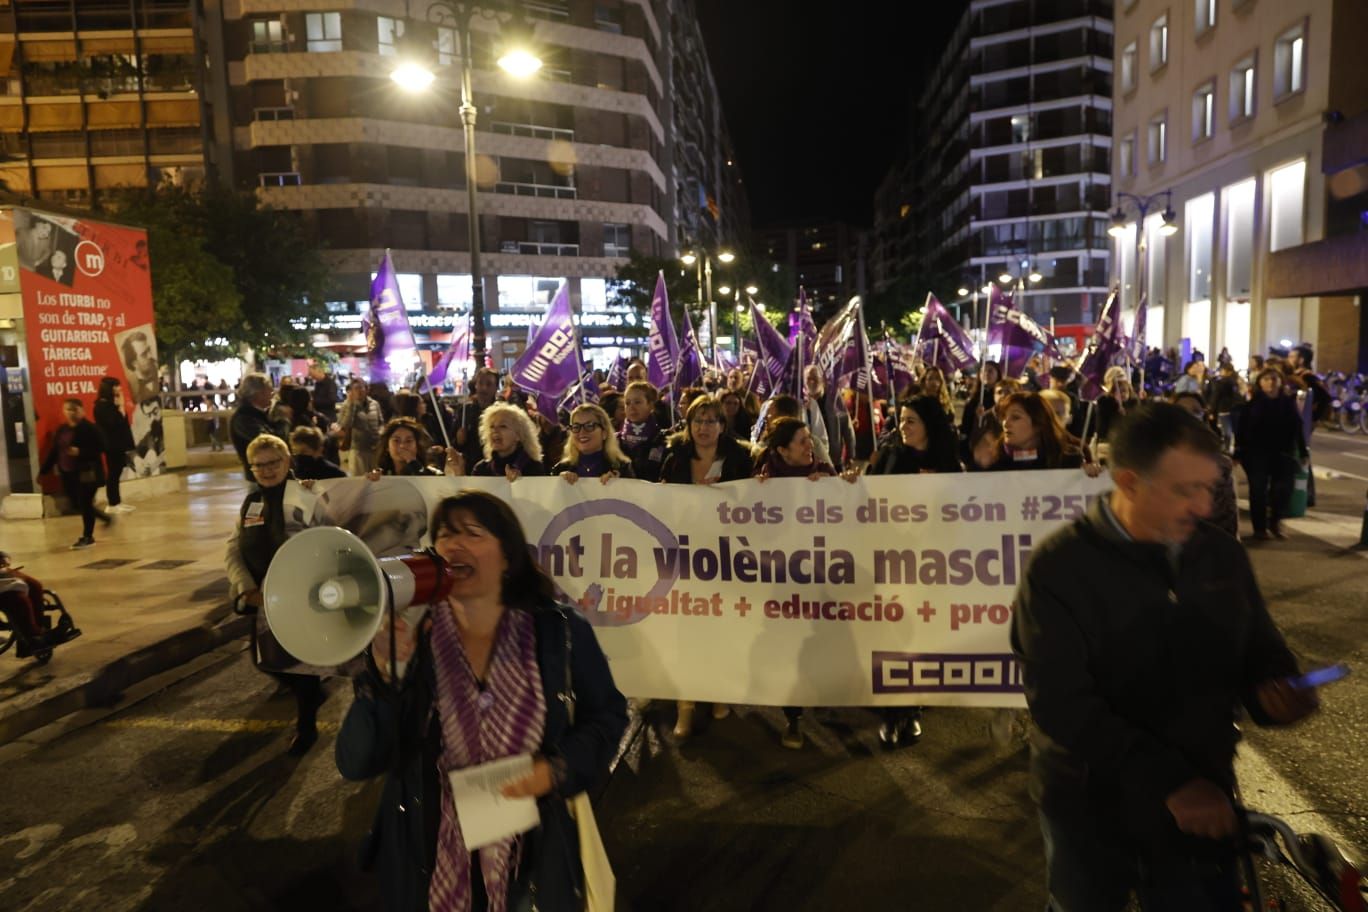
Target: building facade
618	144
1225	109
1012	167
95	97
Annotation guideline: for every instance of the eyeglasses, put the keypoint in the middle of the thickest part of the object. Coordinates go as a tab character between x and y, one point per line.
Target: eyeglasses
584	428
272	465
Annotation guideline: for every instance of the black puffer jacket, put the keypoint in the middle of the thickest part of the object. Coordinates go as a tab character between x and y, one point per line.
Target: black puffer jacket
1135	671
402	842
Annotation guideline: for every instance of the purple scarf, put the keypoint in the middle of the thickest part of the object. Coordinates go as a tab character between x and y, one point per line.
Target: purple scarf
505	718
634	435
592	465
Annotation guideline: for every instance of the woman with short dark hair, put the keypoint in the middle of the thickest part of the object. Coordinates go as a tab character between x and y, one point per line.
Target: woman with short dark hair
112	421
1269	443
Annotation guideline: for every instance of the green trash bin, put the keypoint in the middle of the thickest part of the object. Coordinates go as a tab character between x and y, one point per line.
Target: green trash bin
1296	503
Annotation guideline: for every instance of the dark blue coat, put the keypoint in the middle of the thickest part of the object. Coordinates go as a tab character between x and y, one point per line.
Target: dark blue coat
403	839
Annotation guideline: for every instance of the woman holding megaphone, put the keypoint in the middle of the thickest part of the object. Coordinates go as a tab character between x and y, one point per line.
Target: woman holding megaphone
496	670
275	508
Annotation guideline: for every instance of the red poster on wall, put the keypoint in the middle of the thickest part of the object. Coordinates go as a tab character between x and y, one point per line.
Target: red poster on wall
87	296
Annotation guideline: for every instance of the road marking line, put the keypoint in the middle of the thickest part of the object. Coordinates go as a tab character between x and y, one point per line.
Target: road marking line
1355	456
221	726
1281	798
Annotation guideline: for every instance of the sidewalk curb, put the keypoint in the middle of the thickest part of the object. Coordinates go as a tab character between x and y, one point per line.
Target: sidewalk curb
104	687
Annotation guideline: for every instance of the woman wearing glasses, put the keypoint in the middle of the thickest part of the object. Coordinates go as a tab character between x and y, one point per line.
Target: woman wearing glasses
702	454
592	451
275	508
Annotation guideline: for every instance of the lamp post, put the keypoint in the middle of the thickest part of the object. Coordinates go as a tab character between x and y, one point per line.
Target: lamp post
1142	206
736	321
415	75
702	259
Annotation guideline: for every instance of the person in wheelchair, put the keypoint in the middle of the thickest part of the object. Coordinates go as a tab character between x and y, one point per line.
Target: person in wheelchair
22	607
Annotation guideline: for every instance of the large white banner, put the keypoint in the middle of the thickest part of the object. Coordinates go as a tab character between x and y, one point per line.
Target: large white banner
888	591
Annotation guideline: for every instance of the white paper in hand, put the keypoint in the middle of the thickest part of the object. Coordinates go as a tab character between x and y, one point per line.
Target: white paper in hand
486	816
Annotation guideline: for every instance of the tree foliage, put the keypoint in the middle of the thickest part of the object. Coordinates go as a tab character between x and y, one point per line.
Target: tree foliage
226	271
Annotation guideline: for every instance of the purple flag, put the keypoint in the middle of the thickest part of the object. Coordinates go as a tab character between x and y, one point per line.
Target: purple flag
550	365
1020	336
617	374
802	327
390	349
842	347
774	351
585	389
691	358
1108	341
458	353
942	341
1138	347
663	345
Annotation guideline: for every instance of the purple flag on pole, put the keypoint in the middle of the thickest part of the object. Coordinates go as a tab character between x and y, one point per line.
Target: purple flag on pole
617	374
1138	347
1107	343
1020	336
663	345
458	353
942	341
802	327
551	363
773	350
390	349
842	347
691	357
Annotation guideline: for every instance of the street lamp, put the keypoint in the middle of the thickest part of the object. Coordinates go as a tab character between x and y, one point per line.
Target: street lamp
1142	205
702	258
414	74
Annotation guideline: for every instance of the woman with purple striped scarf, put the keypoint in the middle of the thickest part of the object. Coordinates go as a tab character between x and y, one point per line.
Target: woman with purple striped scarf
485	678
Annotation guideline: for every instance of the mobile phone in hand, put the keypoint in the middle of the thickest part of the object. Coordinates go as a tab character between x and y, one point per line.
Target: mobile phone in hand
1320	677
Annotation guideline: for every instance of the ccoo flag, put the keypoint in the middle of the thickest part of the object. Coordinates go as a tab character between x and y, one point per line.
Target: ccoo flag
691	358
1108	342
551	363
390	349
1020	336
774	351
842	347
457	353
942	341
662	342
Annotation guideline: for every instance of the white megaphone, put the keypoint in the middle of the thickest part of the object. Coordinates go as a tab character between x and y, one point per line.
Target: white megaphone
325	593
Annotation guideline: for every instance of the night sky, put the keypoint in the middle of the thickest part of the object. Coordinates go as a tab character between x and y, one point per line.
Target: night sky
818	96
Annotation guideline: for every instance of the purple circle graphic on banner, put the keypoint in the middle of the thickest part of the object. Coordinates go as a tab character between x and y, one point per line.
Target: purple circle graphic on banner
563	521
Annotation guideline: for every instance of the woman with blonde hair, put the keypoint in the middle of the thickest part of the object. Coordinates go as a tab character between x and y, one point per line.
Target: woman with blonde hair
592	451
511	446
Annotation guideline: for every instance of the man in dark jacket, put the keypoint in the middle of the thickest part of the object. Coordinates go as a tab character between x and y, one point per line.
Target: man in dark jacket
252	416
78	455
1141	632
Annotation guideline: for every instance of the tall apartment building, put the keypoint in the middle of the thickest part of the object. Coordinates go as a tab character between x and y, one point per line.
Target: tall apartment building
827	259
617	144
1013	164
98	96
1239	110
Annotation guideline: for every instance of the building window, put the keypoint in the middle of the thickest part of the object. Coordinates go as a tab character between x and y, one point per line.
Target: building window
389	32
1286	191
1156	276
1125	156
1204	112
617	240
1158	139
445	45
1130	62
1238	200
1197	229
1021	128
324	31
608	18
1242	90
455	291
1289	62
1206	15
1159	42
268	37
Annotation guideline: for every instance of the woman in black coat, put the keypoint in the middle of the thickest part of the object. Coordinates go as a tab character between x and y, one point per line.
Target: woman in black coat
1269	443
470	669
112	421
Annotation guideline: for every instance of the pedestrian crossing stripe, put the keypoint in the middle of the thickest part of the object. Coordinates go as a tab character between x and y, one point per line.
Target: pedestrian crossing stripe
221	726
